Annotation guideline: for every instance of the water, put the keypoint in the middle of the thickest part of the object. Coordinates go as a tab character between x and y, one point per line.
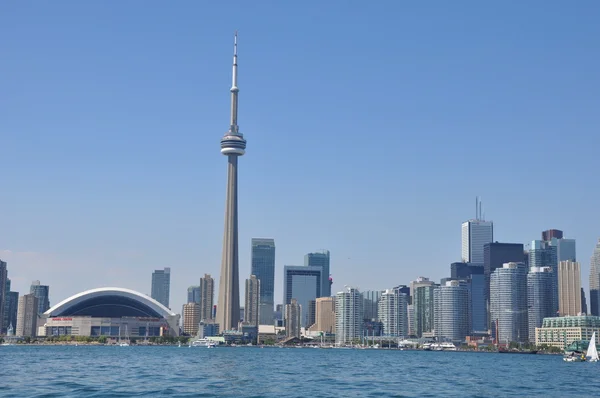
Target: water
69	371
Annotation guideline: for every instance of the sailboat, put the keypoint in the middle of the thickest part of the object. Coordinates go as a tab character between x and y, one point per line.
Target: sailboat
592	353
123	343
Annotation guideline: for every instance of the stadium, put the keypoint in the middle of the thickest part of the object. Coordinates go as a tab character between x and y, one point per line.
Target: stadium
110	312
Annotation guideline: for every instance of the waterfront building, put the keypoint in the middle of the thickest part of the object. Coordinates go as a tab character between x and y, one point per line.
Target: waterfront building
563	331
569	288
495	255
508	304
348	316
321	259
233	145
424	309
208	329
539	298
324	315
293	316
207	295
451	311
42	292
27	314
194	294
475	234
410	309
263	266
392	313
251	308
191	318
304	284
371	304
110	312
3	293
161	286
595	281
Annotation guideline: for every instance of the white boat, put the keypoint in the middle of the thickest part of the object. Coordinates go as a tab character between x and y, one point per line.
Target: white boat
203	343
123	343
592	352
573	357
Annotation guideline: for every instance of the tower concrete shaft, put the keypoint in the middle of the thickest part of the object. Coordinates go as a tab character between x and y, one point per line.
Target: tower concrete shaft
233	145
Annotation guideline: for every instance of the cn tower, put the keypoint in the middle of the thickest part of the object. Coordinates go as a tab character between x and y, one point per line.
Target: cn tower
233	145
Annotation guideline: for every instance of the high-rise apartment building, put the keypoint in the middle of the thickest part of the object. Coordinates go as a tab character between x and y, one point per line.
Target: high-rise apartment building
320	259
451	311
595	281
304	285
540	283
207	295
495	255
410	309
420	281
325	315
27	314
424	309
3	292
508	303
475	234
371	304
393	313
191	318
194	294
42	292
348	315
569	288
251	307
293	315
10	316
263	266
161	285
5	320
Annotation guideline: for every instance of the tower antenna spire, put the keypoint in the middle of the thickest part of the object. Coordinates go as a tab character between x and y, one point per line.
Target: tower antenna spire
234	128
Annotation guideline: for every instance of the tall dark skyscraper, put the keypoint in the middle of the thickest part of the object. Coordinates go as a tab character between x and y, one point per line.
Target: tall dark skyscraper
320	259
42	292
552	233
161	286
233	145
3	292
263	267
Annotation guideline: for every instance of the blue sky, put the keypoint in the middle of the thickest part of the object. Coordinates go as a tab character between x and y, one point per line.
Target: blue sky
371	128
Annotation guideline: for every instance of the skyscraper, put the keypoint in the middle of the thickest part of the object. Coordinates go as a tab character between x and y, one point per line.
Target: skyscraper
194	294
161	285
27	314
251	307
3	292
393	313
303	284
320	259
293	315
263	266
207	296
508	303
451	311
495	255
42	292
348	315
569	288
191	318
475	279
233	145
475	234
325	315
539	297
595	281
423	308
13	306
371	304
5	320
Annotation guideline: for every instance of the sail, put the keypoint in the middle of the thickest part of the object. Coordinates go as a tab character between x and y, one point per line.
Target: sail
591	351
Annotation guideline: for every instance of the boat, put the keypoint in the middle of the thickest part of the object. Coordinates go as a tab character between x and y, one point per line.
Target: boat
123	343
574	356
592	352
204	342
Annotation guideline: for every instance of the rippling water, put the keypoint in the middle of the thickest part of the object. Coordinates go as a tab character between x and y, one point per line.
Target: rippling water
69	371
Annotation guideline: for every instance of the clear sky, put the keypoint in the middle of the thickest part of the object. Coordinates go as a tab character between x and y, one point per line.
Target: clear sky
371	127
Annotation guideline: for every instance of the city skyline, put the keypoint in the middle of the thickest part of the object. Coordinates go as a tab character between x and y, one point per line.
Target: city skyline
102	214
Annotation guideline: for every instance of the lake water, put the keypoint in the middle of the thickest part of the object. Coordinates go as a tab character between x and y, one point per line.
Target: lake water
69	371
